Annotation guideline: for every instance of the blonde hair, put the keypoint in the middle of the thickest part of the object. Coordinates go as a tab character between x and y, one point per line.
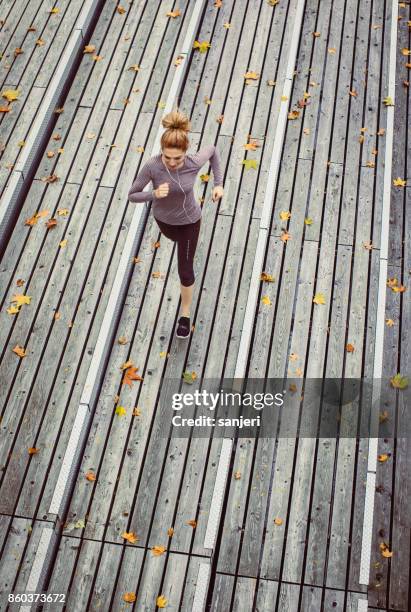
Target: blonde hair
177	125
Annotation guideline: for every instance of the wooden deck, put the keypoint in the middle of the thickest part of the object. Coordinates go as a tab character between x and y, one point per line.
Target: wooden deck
145	483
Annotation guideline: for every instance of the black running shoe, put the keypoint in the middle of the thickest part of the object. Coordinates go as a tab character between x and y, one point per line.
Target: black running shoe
183	329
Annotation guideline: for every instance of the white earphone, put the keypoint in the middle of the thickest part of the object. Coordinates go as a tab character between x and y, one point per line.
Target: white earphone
177	184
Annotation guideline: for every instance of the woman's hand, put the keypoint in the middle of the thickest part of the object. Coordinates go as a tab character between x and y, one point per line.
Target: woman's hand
161	191
217	193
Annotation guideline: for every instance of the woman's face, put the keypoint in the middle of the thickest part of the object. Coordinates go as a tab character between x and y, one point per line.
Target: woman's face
173	158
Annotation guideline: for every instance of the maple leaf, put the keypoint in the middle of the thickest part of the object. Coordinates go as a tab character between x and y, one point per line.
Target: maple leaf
250	163
385	550
251	146
130	375
13	310
293	357
389	322
284	215
129	597
349	348
130	536
382	458
40	42
33	451
173	14
158	550
161	601
90	476
89	49
202	47
19	350
266	300
189	377
252	75
284	236
11	94
121	10
293	114
266	277
121	411
308	221
388	101
20	299
136	412
319	298
399	182
399	382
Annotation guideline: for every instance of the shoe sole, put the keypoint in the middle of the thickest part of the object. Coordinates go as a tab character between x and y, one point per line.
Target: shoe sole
182	336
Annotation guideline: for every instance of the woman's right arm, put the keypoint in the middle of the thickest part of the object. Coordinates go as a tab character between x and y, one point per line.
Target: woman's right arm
136	193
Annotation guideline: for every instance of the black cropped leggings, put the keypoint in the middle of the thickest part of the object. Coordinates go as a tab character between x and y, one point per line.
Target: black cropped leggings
186	237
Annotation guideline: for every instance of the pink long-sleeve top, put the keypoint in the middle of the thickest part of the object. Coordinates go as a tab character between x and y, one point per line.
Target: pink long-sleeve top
173	209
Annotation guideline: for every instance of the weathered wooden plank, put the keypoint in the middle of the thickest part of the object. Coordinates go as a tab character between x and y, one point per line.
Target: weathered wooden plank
288	597
222	592
244	594
63	568
266	595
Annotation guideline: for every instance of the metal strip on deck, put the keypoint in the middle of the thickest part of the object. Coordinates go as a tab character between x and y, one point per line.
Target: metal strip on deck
368	519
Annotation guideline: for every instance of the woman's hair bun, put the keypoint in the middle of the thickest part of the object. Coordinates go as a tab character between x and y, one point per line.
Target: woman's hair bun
176	120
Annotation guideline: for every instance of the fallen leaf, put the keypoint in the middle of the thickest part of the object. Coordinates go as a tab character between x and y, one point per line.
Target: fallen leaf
319	298
130	536
161	601
266	300
158	550
129	597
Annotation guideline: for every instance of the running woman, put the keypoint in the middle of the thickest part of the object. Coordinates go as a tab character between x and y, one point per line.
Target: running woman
177	213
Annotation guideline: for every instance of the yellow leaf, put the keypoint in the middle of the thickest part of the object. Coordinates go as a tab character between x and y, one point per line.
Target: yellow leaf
319	298
173	14
13	310
121	411
121	10
129	597
266	300
158	550
293	114
399	182
54	10
161	601
284	215
202	47
399	382
170	532
11	94
388	101
89	49
20	298
250	163
405	51
252	75
389	322
278	521
130	536
266	277
308	221
382	458
19	350
63	243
